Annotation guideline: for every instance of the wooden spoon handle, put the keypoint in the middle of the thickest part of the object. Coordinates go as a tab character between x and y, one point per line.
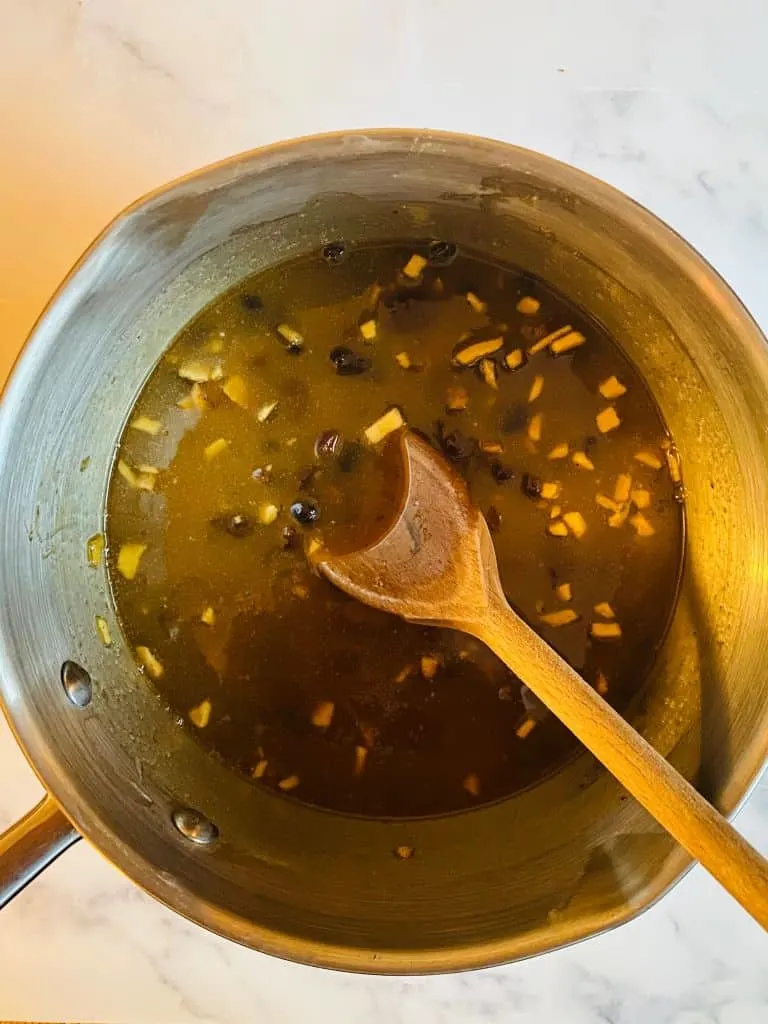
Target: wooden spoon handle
662	791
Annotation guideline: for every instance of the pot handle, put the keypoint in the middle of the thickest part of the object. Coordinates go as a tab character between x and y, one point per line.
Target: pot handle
30	845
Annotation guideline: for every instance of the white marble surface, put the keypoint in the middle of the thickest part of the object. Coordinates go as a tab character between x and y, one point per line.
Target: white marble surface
101	100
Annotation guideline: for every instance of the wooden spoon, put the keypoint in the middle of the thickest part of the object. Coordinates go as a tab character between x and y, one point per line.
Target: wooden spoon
436	565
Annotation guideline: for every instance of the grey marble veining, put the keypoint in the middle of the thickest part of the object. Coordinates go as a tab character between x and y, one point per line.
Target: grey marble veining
103	99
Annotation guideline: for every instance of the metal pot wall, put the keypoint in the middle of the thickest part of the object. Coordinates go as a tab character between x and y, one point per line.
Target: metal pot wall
557	863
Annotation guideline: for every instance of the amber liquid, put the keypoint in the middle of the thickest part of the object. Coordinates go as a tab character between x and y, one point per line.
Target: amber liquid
437	717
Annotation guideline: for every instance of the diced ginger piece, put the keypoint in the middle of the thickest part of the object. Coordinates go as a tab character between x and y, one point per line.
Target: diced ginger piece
260	769
566	343
564	591
642	525
430	666
404	852
361	755
208	616
472	784
477	304
149	662
368	330
289	783
576	523
525	728
322	714
557	528
550	490
146	425
489	373
537	387
293	339
640	498
619	517
604	610
560	451
469	353
215	448
194	400
265	411
491	447
547	340
403	359
200	715
582	460
146	481
673	464
607	420
236	390
404	673
623	488
128	558
126	473
601	684
314	544
528	306
607	503
555	511
391	420
456	399
102	628
414	267
612	388
534	427
514	360
605	630
648	459
94	549
562	617
268	513
198	370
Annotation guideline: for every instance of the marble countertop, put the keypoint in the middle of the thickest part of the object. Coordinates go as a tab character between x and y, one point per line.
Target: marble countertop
101	100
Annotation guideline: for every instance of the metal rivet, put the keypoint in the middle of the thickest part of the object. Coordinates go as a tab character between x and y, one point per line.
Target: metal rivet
195	826
77	684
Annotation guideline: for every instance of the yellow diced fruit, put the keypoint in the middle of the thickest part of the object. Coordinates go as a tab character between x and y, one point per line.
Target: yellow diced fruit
313	546
560	451
566	342
265	411
292	337
102	628
194	400
260	769
368	330
557	528
641	525
289	783
576	523
534	427
472	784
430	665
149	662
94	549
322	715
514	360
564	591
525	728
607	420
640	498
604	610
236	391
623	488
361	754
198	370
550	490
619	517
601	684
391	420
648	459
491	447
477	304
555	511
208	616
403	359
126	473
673	465
128	559
268	514
146	481
612	388
547	340
456	399
489	373
536	388
582	460
146	425
607	503
215	448
404	852
200	715
605	630
528	306
562	617
469	354
414	267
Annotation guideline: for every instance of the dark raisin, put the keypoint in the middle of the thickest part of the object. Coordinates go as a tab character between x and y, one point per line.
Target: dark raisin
252	302
493	519
440	254
589	443
328	442
515	419
236	525
457	446
531	486
290	538
349	363
305	512
334	252
307	477
349	456
501	473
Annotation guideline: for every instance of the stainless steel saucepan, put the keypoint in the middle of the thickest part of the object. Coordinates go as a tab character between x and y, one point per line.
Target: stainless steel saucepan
561	861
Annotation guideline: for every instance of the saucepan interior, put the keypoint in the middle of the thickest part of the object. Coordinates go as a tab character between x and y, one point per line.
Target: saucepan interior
556	863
